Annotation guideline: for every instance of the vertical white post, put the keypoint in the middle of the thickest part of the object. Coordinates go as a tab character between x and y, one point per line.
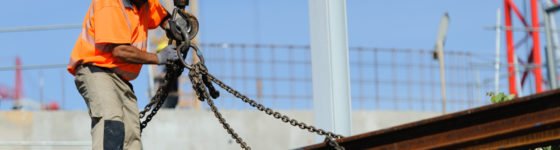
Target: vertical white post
555	44
497	64
41	86
550	48
62	74
330	68
478	87
517	80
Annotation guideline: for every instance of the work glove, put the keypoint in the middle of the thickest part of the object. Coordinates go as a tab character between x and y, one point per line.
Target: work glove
167	54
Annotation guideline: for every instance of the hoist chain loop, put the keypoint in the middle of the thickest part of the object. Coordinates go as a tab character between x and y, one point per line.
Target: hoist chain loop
182	37
202	80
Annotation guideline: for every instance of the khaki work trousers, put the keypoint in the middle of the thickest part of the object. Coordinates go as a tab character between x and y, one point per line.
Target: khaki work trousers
112	107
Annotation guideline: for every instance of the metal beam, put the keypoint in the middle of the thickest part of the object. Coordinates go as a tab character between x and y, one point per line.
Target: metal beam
45	143
27	67
536	46
40	28
510	49
330	67
521	29
550	47
553	8
522	123
497	62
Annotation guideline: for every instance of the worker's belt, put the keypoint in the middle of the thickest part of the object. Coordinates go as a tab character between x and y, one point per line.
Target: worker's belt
95	69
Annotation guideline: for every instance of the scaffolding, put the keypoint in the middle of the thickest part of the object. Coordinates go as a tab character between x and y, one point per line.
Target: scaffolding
532	29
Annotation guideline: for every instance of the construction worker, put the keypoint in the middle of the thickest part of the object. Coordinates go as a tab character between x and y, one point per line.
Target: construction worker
108	54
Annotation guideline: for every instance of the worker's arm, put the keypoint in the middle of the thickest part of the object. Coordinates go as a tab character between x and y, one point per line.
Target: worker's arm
133	55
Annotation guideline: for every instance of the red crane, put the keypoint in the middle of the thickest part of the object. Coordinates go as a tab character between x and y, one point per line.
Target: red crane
535	55
7	93
18	86
16	93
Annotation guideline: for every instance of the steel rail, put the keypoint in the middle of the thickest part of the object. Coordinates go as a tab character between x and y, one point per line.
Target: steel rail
45	143
527	122
40	28
29	67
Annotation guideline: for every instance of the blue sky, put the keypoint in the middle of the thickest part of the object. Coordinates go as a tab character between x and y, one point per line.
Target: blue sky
371	23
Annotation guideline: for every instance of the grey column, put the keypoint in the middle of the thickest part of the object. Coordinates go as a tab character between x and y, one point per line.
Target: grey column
550	47
330	68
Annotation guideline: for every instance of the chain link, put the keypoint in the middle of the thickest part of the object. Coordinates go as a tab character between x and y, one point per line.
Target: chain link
268	111
196	80
173	71
175	68
332	143
201	79
196	77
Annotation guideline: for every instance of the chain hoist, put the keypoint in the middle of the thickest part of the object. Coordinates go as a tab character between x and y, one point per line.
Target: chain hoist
183	27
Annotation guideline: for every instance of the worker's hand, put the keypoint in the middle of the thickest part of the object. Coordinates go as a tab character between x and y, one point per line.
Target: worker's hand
167	54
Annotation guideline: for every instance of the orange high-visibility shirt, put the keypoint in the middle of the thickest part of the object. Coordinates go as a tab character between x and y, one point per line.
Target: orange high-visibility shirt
118	22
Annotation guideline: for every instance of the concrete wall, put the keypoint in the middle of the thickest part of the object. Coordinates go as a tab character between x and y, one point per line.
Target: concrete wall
183	129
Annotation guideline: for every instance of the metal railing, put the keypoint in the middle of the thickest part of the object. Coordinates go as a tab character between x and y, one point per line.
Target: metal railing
279	76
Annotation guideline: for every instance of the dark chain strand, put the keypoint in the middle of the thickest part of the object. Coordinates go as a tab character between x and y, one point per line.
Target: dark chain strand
332	143
268	111
162	90
202	94
199	74
196	80
172	71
